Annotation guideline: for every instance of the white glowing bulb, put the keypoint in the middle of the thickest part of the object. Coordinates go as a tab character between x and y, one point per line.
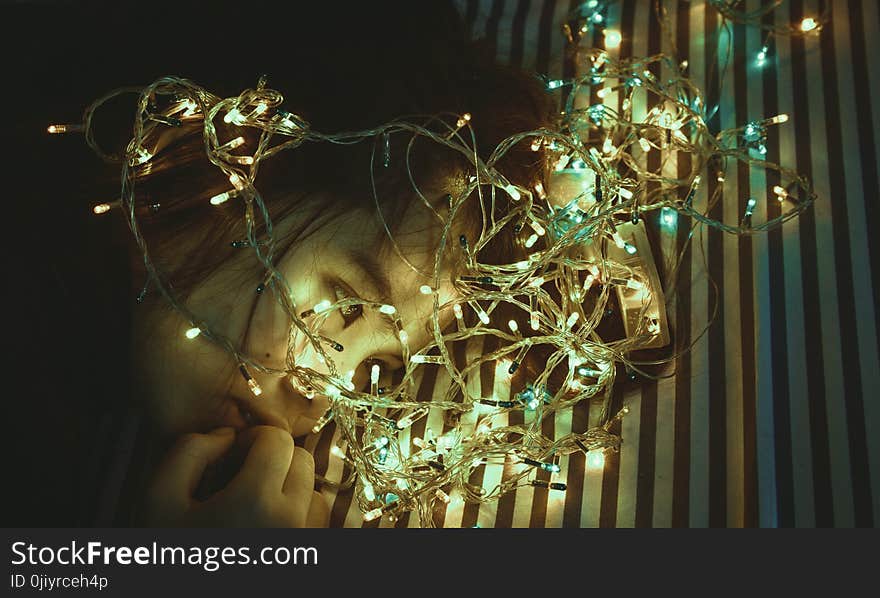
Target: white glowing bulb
539	189
140	156
513	192
612	39
388	310
536	282
374	374
596	459
369	493
403	336
531	240
374	514
101	208
572	319
347	382
337	452
233	116
808	24
625	193
236	181
634	284
425	289
484	317
779	119
321	306
607	146
261	107
644	144
513	325
533	321
220	198
588	282
192	333
603	92
456	309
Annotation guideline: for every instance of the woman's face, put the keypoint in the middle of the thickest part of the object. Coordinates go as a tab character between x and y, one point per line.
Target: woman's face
195	385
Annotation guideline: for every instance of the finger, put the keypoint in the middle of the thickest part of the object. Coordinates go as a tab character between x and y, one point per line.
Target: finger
267	462
179	473
319	512
299	484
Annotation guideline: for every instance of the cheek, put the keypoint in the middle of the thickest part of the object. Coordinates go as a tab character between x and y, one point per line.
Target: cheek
306	420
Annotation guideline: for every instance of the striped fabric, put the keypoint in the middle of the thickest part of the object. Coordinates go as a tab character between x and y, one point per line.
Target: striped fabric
773	419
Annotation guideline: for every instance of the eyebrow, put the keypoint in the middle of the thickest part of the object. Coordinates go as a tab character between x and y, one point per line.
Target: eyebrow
369	266
377	277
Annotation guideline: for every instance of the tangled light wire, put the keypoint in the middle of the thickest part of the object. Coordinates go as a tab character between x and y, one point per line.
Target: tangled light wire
561	290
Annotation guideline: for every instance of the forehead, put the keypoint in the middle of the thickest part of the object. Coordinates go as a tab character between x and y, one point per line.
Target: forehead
404	248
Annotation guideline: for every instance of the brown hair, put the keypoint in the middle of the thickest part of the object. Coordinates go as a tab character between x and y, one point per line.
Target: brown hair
403	70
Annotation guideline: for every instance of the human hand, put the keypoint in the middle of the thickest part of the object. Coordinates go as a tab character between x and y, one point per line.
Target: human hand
273	487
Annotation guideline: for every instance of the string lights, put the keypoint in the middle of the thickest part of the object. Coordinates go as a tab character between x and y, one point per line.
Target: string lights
581	233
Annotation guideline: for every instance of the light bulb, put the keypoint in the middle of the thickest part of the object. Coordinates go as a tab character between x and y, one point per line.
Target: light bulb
596	459
612	39
220	198
808	24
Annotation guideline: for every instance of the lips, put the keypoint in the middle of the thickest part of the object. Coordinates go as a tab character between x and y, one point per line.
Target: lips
253	413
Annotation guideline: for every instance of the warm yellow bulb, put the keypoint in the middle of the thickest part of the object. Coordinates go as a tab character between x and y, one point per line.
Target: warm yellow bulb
612	39
193	332
101	208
